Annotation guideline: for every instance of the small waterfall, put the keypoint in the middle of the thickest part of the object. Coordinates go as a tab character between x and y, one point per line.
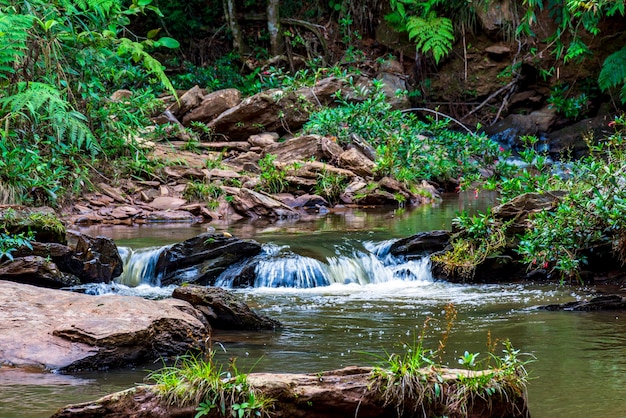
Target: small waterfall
139	266
280	267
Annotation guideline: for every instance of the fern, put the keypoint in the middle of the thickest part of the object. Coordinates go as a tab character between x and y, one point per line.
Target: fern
42	106
13	41
431	34
613	73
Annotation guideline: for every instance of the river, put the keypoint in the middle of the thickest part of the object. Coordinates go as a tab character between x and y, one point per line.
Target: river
579	367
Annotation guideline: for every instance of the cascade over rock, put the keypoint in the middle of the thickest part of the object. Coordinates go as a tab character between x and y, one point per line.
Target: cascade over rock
202	259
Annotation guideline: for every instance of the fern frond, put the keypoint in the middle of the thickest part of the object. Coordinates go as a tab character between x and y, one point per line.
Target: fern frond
432	34
13	41
613	73
42	104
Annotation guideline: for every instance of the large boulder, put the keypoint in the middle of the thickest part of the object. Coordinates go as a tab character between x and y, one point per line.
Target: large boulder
509	130
66	331
572	141
222	309
202	259
305	147
212	105
93	259
42	222
274	110
37	271
253	204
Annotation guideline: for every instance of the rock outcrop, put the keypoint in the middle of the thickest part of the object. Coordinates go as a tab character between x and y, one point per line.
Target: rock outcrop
66	331
222	309
347	392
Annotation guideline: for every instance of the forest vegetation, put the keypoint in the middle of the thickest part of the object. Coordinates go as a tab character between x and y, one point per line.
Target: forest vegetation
61	61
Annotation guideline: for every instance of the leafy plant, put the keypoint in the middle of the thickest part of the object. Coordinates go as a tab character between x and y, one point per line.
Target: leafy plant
11	242
330	185
613	73
201	382
273	179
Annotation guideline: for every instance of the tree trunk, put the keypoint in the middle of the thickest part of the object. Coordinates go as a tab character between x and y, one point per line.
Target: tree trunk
230	11
273	27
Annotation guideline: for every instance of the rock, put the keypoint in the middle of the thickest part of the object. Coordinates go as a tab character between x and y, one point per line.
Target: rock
315	169
510	129
202	259
212	105
263	140
189	100
394	80
521	207
222	174
306	201
180	172
172	216
570	142
42	222
66	331
598	303
355	161
303	148
167	203
498	51
112	192
93	260
421	244
222	309
253	204
348	392
121	95
497	16
239	146
274	110
37	271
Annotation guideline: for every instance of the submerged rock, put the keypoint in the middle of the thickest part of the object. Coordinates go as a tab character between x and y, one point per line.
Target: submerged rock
222	309
421	244
598	303
66	331
202	259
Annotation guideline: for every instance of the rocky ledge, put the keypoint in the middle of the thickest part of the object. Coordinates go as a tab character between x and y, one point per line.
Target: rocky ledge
349	392
65	331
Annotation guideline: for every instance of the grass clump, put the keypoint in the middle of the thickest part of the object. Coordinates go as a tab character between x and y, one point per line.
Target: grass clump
198	381
417	383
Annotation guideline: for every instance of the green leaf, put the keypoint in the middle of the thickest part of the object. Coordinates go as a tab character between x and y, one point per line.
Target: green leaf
169	42
153	33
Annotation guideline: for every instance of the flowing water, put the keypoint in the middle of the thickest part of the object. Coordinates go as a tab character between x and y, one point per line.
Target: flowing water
343	301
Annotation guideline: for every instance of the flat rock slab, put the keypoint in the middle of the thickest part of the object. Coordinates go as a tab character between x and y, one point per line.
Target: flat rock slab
61	330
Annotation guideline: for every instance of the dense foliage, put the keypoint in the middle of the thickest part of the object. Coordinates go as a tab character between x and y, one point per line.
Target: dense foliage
59	62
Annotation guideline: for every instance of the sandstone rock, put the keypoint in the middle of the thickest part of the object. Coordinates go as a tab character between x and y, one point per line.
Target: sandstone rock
314	169
37	271
394	80
274	110
263	140
347	392
123	212
68	331
306	201
167	203
497	16
93	260
189	100
521	207
253	204
239	146
112	192
222	174
303	148
212	105
202	259
179	172
355	161
222	309
171	216
498	50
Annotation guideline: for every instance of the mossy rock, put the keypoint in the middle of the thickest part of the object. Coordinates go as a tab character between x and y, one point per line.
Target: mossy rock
42	222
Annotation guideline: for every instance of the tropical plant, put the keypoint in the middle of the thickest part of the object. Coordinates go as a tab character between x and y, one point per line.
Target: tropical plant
273	179
613	73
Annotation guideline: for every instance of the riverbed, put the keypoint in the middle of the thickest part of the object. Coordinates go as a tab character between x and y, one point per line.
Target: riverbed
578	366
